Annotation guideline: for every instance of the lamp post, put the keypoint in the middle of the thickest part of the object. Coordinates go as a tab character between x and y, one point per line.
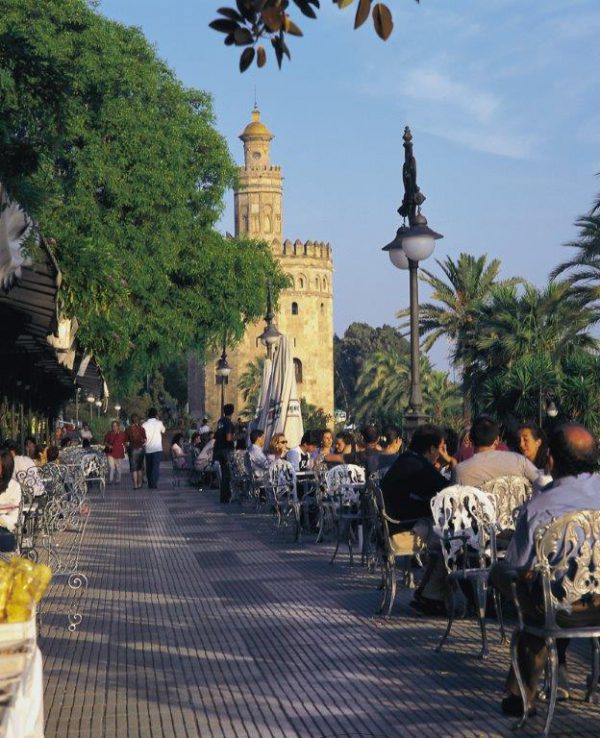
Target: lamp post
410	246
118	411
270	336
223	371
91	399
98	405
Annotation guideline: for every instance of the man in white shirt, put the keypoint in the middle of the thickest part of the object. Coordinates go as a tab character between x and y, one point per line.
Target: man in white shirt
204	428
300	457
10	499
154	448
488	463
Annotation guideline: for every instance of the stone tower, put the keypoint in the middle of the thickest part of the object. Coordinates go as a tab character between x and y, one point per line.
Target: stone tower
305	313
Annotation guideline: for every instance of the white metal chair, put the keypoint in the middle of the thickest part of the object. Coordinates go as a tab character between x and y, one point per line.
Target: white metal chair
464	518
508	494
281	492
568	564
343	484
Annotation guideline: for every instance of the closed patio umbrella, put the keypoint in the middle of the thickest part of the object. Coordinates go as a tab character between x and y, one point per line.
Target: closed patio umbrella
280	411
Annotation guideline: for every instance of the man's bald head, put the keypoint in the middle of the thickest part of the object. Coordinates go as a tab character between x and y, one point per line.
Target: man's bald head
573	450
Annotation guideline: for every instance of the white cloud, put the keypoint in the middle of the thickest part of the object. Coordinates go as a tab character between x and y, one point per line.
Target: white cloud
434	86
488	140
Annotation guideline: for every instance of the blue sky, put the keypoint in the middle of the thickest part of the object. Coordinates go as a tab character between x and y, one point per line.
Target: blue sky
502	98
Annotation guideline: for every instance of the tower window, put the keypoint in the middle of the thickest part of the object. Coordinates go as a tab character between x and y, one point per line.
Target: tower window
298	370
301	282
324	284
322	308
294	308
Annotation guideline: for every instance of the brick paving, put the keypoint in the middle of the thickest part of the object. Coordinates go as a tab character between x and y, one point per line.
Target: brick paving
204	621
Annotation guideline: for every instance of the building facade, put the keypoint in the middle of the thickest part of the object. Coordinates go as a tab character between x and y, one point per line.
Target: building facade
305	313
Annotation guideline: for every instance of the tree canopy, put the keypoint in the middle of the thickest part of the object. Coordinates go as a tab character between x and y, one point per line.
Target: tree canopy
124	171
252	22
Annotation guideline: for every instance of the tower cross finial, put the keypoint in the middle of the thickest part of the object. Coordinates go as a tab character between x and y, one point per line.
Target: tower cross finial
255	101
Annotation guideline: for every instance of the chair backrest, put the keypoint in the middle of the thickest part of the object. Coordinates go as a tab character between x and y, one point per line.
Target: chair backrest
508	494
282	478
342	481
464	518
568	558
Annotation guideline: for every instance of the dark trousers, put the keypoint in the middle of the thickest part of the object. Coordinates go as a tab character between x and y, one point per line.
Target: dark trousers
8	542
531	650
153	468
224	459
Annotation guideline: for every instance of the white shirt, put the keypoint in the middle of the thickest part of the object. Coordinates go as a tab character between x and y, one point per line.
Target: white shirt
11	497
257	458
22	463
204	429
299	459
154	430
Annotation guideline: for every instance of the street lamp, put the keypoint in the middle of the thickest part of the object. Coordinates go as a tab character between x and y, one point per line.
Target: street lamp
270	336
223	371
411	245
98	405
118	410
91	399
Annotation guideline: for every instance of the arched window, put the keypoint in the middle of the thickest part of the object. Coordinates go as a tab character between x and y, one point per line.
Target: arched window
324	284
298	370
322	308
294	308
301	283
317	284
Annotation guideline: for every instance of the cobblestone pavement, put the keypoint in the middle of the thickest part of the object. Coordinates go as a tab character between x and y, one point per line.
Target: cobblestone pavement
202	620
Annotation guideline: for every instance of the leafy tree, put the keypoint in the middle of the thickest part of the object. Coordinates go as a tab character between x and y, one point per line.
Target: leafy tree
252	22
467	287
442	398
125	173
358	342
313	417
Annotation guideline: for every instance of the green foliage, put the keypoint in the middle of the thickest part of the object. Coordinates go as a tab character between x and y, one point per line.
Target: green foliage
249	384
359	342
313	417
125	173
251	22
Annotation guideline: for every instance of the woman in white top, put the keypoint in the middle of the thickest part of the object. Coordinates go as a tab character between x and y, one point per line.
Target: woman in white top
10	500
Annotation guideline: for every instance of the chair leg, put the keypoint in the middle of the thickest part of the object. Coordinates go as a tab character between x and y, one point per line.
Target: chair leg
498	607
451	613
553	661
514	658
480	587
392	587
593	685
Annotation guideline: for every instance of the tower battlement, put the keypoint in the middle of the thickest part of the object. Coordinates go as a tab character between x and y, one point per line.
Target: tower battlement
311	249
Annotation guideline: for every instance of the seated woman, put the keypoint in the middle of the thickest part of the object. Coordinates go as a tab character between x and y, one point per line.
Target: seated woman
177	452
10	500
278	447
532	444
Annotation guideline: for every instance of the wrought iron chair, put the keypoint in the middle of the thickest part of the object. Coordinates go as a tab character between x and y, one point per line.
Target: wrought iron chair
343	484
391	551
464	518
508	494
280	488
94	471
567	561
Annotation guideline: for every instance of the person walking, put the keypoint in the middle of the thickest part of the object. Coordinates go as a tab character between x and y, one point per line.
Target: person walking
154	430
223	450
136	438
114	442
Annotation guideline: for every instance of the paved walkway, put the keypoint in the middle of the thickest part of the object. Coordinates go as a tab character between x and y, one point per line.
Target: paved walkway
202	621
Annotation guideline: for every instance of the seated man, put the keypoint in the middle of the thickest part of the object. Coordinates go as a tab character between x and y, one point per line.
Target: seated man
300	457
258	461
488	462
408	487
573	462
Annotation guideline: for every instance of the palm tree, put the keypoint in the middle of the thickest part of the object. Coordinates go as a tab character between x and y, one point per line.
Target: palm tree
583	270
467	287
249	385
442	398
383	385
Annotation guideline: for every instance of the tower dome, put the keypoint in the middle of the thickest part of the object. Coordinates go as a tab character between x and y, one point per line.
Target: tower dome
256	129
